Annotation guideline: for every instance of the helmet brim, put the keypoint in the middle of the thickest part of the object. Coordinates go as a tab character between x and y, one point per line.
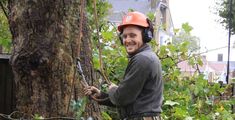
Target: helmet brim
121	27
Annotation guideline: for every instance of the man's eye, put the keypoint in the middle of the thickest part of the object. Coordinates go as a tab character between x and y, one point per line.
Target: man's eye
132	35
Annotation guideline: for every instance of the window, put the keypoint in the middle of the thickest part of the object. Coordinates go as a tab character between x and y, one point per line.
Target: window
220	57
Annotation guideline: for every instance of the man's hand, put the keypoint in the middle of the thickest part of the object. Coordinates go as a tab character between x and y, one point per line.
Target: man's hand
92	91
112	85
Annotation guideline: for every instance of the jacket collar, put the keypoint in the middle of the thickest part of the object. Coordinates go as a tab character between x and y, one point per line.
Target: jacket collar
143	48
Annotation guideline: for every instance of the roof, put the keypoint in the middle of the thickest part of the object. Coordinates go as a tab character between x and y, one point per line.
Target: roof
184	66
217	66
207	66
120	7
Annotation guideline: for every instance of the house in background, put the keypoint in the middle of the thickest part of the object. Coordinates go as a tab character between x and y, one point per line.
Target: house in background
214	71
160	8
163	23
219	56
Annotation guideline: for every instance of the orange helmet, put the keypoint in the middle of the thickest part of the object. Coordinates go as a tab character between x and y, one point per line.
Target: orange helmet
133	18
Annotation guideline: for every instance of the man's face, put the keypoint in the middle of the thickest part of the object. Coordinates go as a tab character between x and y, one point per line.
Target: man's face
132	39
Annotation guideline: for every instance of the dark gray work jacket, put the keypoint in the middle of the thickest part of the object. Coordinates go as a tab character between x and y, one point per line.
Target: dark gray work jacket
140	93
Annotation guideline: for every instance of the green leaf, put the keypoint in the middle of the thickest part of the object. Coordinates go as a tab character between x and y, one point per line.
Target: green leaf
107	35
105	116
172	48
187	28
200	62
180	113
196	90
189	118
171	103
37	117
151	16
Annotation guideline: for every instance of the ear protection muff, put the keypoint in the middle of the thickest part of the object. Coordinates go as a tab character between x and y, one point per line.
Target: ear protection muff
147	33
120	37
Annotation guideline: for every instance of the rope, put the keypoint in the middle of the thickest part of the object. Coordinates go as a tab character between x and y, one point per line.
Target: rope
99	46
77	42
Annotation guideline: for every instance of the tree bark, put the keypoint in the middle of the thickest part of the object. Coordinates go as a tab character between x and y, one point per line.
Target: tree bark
43	57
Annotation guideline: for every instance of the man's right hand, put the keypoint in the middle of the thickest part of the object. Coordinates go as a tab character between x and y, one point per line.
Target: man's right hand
92	91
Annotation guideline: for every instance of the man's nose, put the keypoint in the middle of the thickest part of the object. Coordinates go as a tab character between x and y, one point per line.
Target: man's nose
127	39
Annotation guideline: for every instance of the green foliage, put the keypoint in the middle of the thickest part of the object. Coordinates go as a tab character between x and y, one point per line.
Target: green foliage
5	35
113	56
105	116
79	106
37	117
102	7
187	28
151	16
186	97
222	9
190	97
184	34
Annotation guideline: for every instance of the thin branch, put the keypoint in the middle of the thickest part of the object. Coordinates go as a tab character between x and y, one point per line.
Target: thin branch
4	10
99	45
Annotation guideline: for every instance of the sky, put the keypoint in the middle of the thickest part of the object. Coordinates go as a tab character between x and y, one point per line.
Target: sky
200	15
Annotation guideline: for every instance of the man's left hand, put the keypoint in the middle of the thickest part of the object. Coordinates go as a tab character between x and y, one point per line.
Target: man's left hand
112	85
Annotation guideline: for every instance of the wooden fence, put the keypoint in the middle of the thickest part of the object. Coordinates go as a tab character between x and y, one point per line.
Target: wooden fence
7	86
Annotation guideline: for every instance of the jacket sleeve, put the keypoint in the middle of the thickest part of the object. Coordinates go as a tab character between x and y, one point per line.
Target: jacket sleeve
128	90
106	100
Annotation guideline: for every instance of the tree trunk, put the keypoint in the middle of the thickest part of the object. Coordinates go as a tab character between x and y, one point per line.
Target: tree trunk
92	108
43	57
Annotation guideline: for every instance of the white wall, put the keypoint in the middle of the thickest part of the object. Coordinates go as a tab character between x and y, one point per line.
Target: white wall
213	54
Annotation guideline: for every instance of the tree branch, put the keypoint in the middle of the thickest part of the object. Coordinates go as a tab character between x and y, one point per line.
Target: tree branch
99	46
4	10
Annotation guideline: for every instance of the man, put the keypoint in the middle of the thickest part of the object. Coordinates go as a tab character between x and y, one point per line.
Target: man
139	95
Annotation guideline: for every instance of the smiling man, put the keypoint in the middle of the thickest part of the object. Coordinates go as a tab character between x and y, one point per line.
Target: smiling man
139	95
132	39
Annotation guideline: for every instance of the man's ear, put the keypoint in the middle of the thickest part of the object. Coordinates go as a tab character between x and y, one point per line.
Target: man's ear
120	38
